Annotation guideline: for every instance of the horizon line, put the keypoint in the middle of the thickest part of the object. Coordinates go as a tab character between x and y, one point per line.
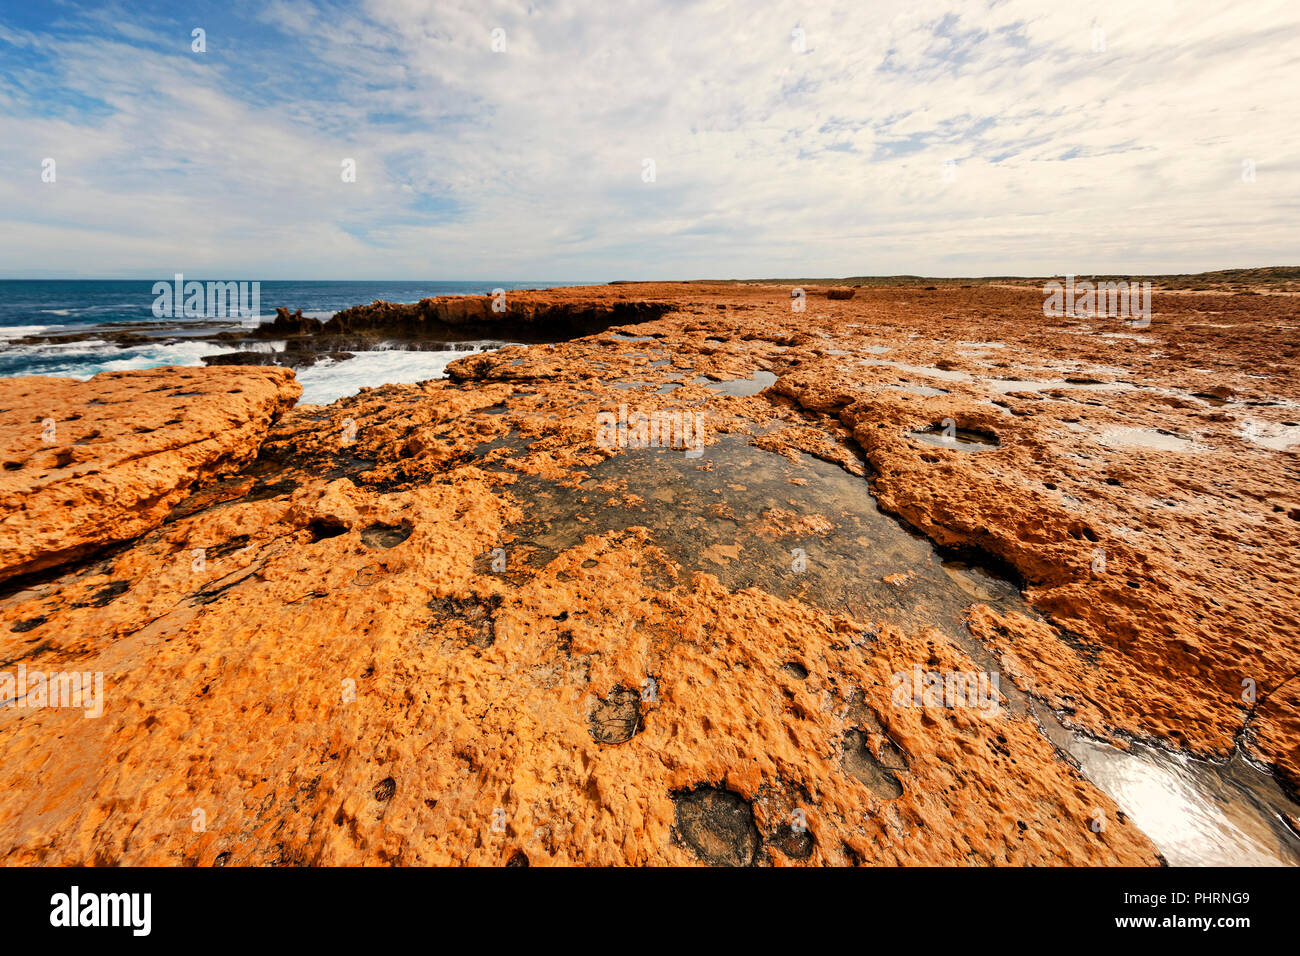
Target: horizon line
628	281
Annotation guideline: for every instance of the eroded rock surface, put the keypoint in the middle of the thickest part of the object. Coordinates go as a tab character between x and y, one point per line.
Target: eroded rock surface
458	623
90	463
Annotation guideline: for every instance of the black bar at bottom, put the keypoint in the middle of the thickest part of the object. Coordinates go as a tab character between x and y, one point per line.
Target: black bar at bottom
335	906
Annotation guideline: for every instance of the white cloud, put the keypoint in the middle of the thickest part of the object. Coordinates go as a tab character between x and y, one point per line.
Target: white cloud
528	163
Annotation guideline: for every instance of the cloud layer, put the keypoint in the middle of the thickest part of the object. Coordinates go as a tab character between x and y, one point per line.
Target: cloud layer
508	140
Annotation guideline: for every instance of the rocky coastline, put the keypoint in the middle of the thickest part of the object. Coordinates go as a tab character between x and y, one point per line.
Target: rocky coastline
640	590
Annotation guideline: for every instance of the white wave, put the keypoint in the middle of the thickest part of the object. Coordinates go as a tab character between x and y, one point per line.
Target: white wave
328	381
82	360
152	356
63	349
322	383
18	331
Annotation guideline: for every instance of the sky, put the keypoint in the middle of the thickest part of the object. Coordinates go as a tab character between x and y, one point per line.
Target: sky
646	140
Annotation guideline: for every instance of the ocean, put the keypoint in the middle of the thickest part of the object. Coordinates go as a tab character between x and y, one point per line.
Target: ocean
66	306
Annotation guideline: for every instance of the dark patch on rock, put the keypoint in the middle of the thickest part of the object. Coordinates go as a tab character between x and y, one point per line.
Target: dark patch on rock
476	616
213	594
287	324
797	844
107	594
322	528
289	358
237	543
861	764
615	719
264	491
386	535
716	825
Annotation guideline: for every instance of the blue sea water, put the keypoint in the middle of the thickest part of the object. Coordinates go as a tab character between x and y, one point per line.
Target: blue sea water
29	306
80	302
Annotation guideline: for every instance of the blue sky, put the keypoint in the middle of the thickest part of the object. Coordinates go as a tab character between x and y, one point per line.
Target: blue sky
787	139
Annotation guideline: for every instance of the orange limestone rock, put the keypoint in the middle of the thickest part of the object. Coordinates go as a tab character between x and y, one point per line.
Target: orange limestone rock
463	622
91	463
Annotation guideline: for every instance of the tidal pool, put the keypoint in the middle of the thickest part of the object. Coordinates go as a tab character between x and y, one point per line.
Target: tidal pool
734	513
1150	438
1198	813
1003	386
958	438
743	386
927	390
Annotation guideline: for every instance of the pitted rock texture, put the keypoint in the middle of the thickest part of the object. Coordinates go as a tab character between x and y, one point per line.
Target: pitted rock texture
432	624
91	463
